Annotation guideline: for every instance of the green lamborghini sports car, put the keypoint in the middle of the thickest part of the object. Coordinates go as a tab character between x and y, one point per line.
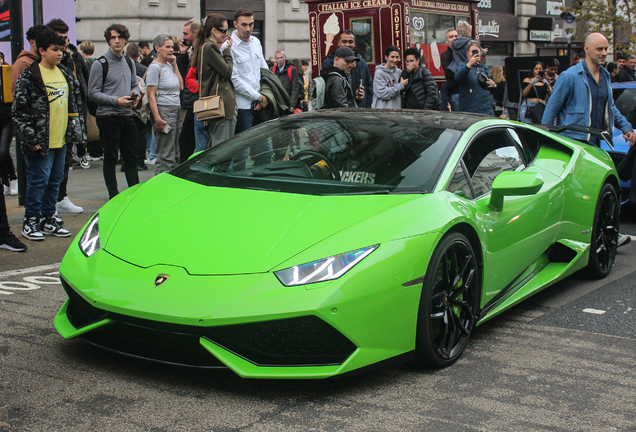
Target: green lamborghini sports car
325	242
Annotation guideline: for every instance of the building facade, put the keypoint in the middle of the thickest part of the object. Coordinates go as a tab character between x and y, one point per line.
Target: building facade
279	23
506	27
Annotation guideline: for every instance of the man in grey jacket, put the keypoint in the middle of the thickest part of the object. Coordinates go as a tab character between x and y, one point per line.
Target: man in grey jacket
115	94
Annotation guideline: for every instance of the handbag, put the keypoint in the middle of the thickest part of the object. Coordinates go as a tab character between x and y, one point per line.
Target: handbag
209	107
535	113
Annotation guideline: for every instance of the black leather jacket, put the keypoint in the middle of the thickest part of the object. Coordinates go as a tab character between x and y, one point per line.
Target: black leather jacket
338	91
423	84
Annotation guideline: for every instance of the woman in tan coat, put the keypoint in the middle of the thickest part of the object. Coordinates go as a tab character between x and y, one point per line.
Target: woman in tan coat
214	70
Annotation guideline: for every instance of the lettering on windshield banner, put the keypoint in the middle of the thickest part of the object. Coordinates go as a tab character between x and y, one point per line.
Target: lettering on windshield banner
357	177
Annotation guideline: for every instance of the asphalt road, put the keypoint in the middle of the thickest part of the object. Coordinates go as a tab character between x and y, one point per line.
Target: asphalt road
545	365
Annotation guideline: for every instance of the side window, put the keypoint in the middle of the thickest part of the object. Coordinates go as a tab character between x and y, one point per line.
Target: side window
488	156
459	184
527	142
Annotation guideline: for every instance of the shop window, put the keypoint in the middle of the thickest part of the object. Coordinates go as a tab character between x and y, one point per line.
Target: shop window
363	29
427	28
430	28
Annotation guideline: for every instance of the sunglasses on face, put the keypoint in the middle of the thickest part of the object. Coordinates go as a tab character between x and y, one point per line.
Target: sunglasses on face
221	30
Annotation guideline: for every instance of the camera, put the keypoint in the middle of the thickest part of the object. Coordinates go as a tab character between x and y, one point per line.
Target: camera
475	52
542	73
134	96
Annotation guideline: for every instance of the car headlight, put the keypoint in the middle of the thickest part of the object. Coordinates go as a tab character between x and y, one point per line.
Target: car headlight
325	269
89	243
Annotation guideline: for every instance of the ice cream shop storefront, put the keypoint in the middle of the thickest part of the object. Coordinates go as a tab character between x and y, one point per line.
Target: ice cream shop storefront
378	24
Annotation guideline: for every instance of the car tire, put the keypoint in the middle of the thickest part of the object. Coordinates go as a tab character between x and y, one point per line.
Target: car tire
449	302
604	240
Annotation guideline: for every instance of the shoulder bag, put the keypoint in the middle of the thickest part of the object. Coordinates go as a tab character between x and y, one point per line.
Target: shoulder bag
209	107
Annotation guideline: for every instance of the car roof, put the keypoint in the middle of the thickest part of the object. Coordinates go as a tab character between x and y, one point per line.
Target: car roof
450	120
624	85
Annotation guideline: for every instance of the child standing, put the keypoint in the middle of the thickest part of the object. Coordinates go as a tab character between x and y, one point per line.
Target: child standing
46	118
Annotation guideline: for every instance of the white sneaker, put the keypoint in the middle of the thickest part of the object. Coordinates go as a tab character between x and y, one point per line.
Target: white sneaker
7	190
66	206
150	161
13	189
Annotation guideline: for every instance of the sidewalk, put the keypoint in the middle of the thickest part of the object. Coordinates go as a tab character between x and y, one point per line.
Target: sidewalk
86	189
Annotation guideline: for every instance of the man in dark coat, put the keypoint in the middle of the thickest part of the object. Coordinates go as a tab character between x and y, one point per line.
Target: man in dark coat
338	90
288	77
421	91
626	73
359	72
450	90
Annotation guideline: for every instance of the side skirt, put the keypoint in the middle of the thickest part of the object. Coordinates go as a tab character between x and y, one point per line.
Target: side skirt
559	261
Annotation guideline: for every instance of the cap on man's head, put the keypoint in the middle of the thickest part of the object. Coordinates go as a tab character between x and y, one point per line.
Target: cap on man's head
345	53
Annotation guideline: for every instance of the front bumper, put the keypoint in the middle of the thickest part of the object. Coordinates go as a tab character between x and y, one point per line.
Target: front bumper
248	323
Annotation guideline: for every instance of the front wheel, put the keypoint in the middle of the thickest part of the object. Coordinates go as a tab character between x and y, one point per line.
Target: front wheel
449	302
604	233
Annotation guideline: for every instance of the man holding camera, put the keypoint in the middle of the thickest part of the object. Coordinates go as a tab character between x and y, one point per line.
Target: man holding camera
113	87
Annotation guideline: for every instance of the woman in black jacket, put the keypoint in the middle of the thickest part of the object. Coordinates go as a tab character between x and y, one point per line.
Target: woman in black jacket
421	92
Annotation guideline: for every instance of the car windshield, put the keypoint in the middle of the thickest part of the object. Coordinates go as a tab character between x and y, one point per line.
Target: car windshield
625	100
320	155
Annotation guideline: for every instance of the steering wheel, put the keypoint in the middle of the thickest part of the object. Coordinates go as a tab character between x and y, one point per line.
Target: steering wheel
331	166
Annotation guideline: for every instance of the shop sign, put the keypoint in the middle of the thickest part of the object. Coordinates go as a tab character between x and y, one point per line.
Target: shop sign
491	28
350	5
552	8
497	27
540	35
441	6
500	6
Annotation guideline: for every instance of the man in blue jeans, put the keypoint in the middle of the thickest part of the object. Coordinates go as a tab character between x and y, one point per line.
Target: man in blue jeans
583	96
47	120
247	54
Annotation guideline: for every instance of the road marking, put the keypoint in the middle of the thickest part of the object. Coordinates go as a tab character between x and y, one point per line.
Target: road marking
18	286
29	270
594	311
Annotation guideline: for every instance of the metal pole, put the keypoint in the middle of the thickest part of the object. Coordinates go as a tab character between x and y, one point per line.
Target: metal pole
17	45
17	31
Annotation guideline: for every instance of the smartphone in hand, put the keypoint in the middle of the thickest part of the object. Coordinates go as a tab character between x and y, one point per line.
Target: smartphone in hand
167	129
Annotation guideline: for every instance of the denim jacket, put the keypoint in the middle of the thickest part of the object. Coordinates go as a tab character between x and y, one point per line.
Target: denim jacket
571	100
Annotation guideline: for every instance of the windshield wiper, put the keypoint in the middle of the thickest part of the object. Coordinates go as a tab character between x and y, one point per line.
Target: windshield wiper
377	192
260	189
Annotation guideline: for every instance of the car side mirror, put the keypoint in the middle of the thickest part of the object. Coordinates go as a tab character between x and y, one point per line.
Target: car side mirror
513	183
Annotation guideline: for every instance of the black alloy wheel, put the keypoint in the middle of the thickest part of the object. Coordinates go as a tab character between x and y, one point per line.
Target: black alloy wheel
449	302
604	240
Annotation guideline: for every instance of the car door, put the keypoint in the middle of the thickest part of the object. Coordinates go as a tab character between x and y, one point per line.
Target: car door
516	236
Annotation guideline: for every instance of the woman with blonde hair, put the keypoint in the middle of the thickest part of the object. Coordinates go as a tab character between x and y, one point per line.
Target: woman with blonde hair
498	91
214	71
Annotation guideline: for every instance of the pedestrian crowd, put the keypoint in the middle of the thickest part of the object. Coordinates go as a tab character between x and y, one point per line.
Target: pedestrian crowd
157	104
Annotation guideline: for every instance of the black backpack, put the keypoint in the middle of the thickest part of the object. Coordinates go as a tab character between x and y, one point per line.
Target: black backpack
92	106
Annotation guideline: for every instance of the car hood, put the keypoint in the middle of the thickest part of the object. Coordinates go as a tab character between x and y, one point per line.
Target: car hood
220	231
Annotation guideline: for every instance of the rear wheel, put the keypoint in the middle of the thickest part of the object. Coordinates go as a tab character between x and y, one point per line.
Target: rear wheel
604	233
449	302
